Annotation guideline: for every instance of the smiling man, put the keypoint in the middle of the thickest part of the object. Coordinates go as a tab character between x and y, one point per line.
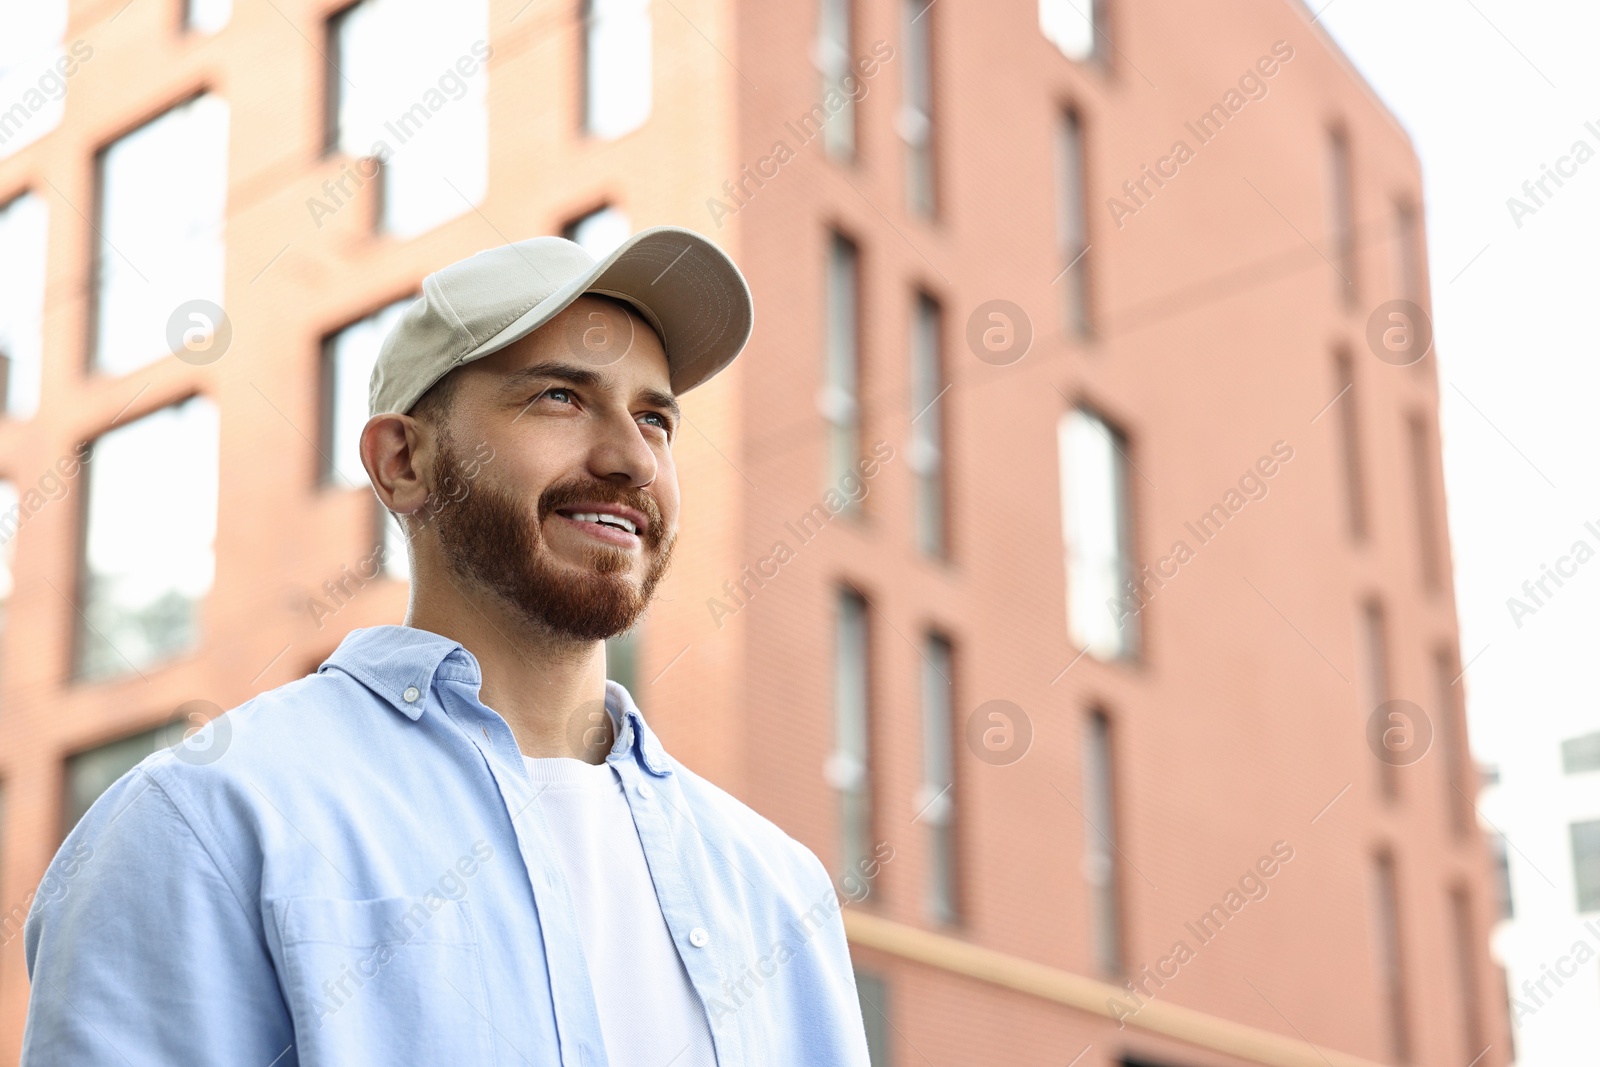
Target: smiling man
457	842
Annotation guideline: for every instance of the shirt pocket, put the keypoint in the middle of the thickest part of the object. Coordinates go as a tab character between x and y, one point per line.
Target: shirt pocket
391	980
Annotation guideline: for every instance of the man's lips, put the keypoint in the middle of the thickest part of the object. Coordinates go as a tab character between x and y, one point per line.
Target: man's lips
606	522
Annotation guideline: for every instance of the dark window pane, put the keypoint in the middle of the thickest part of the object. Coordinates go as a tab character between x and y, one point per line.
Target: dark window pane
91	773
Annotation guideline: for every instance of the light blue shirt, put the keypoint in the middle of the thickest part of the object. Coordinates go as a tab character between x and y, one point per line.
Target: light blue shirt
351	869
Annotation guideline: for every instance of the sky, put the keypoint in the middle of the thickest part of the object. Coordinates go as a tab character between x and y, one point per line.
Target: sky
1492	92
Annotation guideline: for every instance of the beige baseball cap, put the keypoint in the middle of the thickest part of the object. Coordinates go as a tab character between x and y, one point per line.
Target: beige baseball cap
686	287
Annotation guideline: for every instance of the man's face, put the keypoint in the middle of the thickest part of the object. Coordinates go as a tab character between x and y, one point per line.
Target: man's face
580	419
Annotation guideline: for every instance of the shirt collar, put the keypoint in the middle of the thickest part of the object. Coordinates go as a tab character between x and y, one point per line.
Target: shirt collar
400	662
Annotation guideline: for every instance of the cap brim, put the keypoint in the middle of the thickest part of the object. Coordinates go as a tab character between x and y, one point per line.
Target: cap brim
688	289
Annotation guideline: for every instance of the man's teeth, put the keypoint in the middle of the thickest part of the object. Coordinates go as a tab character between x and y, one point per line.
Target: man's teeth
604	519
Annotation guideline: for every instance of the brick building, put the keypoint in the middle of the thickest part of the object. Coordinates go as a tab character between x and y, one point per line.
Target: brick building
1049	560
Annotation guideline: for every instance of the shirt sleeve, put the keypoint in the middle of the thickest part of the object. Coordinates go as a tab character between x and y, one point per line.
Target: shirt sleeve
140	951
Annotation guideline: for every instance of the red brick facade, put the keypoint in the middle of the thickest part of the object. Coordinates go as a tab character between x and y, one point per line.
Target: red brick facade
1217	309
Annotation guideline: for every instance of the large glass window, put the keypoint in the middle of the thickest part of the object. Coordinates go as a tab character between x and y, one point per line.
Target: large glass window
396	559
1070	26
839	398
1465	943
10	518
1372	650
23	225
162	194
936	802
34	98
347	359
207	16
1580	754
1099	846
1408	251
927	424
617	66
1500	855
407	86
92	772
1072	222
1347	400
1459	786
1096	523
1586	863
873	993
622	660
849	767
1419	440
1341	214
600	232
149	528
1389	956
916	105
834	58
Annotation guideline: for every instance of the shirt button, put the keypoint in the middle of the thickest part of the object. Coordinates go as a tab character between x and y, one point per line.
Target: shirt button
645	790
411	694
698	937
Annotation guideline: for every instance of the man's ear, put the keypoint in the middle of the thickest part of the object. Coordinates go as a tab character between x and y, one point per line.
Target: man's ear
394	450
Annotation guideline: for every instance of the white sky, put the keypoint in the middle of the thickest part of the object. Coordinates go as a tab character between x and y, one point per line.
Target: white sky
1490	90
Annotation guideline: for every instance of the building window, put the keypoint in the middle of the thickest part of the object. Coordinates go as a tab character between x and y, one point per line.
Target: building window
1426	496
849	767
392	535
1099	846
1464	936
347	359
92	772
1586	863
916	109
873	992
143	580
10	517
30	47
616	66
936	802
1389	956
834	59
160	241
1459	785
1408	251
1581	754
1341	215
1350	433
599	232
418	137
1372	649
927	424
1070	25
622	661
839	399
1097	533
1505	908
206	16
23	235
1072	222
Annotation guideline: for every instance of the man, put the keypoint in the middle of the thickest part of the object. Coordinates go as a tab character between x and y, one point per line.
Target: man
458	842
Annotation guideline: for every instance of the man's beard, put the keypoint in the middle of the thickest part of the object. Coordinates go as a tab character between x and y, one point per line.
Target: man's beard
489	538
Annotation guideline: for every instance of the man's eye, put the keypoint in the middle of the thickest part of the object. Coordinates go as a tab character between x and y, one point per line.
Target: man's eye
561	395
660	420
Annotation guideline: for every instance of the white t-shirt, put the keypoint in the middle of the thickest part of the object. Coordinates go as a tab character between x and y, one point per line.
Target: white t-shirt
650	1015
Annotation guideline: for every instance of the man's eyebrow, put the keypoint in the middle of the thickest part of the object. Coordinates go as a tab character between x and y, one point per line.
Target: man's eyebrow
518	381
663	400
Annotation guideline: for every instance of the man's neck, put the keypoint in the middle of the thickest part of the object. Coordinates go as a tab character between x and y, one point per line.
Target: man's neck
550	689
